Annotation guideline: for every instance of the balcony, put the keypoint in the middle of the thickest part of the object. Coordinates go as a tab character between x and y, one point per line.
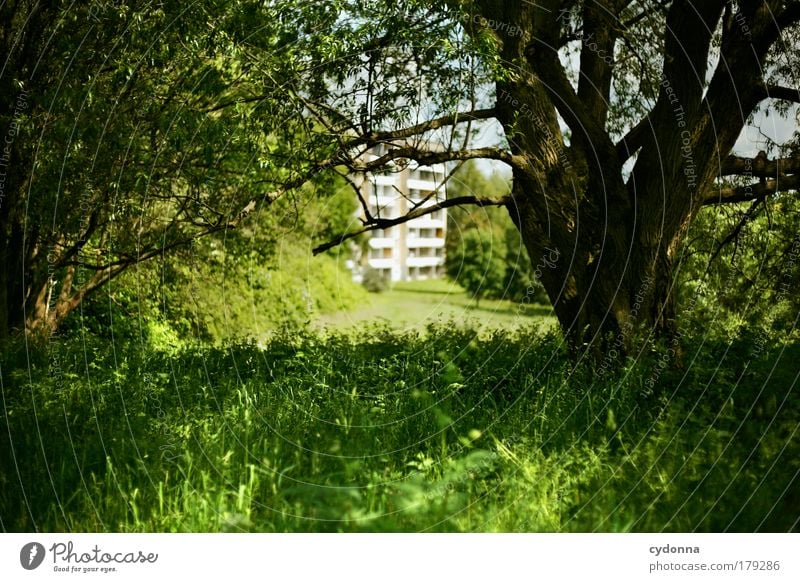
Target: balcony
425	261
383	180
426	222
420	242
381	242
424	185
381	263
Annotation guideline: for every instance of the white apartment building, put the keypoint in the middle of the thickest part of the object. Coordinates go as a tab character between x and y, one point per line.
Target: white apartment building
415	249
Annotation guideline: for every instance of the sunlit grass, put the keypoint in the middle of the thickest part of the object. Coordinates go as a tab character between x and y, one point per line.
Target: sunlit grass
414	305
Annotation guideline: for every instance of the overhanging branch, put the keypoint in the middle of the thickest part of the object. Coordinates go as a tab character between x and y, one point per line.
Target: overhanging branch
750	192
780	92
420	128
411	215
760	166
428	158
733	236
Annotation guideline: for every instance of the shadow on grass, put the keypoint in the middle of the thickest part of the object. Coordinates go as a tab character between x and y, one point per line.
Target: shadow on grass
400	289
519	309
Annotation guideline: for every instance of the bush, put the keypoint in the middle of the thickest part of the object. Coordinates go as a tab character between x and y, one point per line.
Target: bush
374	281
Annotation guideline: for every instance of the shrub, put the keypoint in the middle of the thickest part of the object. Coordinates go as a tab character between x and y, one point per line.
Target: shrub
374	281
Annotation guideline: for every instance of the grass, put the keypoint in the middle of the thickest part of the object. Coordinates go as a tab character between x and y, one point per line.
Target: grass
447	430
414	305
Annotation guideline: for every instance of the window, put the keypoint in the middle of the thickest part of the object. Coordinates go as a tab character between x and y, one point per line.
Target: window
385	211
427	175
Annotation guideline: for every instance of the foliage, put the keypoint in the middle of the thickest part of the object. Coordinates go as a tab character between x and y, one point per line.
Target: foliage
485	253
374	281
137	133
394	432
481	262
741	268
245	282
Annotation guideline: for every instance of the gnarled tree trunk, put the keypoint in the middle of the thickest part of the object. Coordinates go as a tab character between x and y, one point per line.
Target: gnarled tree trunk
616	237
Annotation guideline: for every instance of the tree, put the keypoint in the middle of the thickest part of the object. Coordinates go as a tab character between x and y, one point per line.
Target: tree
501	254
619	117
130	131
479	264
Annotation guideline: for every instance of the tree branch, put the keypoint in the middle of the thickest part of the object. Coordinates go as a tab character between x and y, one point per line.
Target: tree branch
575	113
780	92
596	60
736	87
644	14
632	140
417	212
752	191
428	158
760	166
734	234
445	120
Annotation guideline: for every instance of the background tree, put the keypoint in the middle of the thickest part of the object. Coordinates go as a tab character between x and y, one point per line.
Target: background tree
478	264
499	253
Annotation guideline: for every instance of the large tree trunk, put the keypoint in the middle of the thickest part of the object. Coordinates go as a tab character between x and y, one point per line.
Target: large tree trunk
610	281
604	254
614	238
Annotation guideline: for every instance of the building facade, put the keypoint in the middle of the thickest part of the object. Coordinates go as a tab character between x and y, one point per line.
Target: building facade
415	249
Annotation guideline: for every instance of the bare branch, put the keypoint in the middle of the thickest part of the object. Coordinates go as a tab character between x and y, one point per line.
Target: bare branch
733	236
357	190
417	212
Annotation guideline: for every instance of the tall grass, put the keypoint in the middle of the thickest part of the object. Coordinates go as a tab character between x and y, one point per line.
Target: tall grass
443	431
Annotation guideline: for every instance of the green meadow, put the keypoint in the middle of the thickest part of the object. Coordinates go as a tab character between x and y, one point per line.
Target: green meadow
452	418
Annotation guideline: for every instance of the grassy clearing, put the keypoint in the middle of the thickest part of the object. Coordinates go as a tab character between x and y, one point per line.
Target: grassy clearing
450	430
415	305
